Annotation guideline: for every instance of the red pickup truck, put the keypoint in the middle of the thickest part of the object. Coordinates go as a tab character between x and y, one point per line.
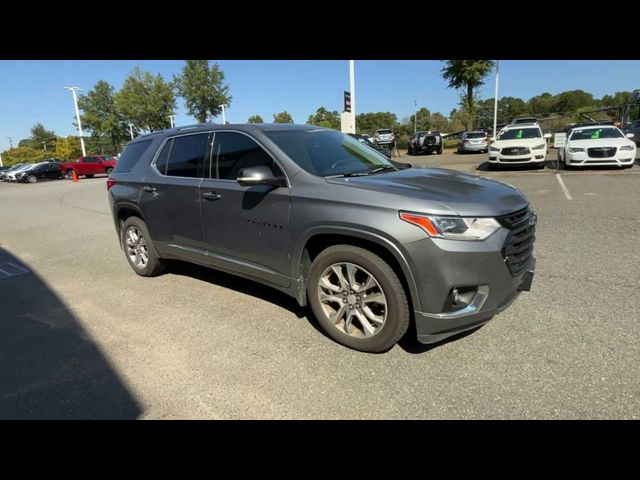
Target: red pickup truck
89	166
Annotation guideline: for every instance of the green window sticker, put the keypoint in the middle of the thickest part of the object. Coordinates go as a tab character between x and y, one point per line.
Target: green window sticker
519	134
595	135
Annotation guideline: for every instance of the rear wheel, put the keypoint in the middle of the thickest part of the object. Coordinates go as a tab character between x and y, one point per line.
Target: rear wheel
32	179
90	175
139	249
108	171
69	175
357	298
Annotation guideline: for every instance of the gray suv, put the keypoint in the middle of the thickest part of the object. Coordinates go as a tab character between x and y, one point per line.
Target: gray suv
373	248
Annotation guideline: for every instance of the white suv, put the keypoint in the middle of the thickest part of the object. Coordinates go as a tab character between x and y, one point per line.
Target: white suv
518	145
598	145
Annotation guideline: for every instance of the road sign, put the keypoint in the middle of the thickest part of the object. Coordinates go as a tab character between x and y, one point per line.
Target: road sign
347	101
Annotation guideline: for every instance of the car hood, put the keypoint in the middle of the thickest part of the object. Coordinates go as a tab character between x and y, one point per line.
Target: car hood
602	142
459	193
518	142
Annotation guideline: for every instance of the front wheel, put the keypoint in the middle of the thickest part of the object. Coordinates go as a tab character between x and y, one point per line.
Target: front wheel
108	171
139	249
32	179
69	175
357	298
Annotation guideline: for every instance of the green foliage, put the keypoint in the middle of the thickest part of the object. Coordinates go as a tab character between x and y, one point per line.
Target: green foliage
68	148
39	134
202	88
467	76
573	100
255	119
23	155
508	109
100	115
325	118
282	117
370	122
146	100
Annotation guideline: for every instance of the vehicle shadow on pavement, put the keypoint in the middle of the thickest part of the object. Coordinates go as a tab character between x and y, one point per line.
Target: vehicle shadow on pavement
486	167
49	366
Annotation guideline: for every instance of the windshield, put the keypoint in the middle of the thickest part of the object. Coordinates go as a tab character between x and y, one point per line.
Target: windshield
475	135
518	133
383	132
596	133
328	152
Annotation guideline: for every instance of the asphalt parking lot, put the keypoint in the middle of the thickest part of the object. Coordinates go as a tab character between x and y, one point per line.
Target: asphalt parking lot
82	336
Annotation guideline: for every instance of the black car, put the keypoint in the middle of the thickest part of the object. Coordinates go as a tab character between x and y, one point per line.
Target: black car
39	171
384	149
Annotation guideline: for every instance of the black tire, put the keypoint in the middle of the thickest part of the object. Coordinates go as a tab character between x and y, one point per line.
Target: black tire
108	171
90	175
409	151
69	175
440	151
155	265
32	179
397	321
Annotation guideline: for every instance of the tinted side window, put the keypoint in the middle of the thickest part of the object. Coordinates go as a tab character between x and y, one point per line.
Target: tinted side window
90	160
161	161
131	154
234	151
186	158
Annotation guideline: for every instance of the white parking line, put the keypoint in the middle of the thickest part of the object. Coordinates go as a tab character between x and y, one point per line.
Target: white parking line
564	187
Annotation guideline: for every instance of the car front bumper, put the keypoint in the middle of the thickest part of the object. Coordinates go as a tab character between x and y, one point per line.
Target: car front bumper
533	157
473	147
621	158
440	265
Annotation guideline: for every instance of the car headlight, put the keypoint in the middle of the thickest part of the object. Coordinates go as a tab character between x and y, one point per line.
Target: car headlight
455	228
540	147
628	148
576	150
494	149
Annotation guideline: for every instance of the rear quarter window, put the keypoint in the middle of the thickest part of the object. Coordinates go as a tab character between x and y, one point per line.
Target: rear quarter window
130	156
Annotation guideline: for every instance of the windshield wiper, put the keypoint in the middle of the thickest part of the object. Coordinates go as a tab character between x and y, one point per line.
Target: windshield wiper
382	169
348	174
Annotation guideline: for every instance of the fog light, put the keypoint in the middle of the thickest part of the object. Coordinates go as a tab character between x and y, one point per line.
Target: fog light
459	298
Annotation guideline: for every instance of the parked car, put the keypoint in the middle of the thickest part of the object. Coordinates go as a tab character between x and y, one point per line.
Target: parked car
476	141
594	145
384	149
384	136
425	142
39	171
4	174
89	166
329	221
10	176
519	144
634	127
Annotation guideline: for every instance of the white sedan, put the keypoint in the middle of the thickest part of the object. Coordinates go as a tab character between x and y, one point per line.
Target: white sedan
598	145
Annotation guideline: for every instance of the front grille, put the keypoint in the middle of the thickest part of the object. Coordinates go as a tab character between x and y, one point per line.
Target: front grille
601	152
518	247
525	159
515	151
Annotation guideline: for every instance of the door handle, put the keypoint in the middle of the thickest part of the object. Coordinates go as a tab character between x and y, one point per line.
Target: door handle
149	188
211	196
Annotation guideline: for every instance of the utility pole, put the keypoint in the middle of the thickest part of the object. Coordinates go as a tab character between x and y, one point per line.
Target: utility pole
10	142
44	146
171	120
73	90
1	164
415	117
495	102
224	120
131	130
352	87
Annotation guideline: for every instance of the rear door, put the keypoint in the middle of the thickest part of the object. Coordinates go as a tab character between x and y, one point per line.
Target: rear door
170	197
246	229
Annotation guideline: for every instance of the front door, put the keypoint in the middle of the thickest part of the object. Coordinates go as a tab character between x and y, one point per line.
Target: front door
170	197
246	229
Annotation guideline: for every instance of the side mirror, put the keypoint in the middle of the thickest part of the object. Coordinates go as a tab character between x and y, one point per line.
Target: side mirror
630	135
547	135
262	175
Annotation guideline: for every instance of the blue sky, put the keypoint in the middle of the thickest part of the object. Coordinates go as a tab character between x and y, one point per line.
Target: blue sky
32	91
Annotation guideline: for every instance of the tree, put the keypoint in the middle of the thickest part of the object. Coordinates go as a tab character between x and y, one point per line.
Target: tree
68	148
467	76
325	118
282	117
508	109
423	115
23	155
146	100
100	115
370	122
543	104
438	122
39	134
203	89
573	100
255	119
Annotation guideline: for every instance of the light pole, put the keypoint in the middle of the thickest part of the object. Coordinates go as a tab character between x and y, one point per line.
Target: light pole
495	102
131	130
1	165
44	146
10	142
73	90
171	120
415	117
352	87
224	121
